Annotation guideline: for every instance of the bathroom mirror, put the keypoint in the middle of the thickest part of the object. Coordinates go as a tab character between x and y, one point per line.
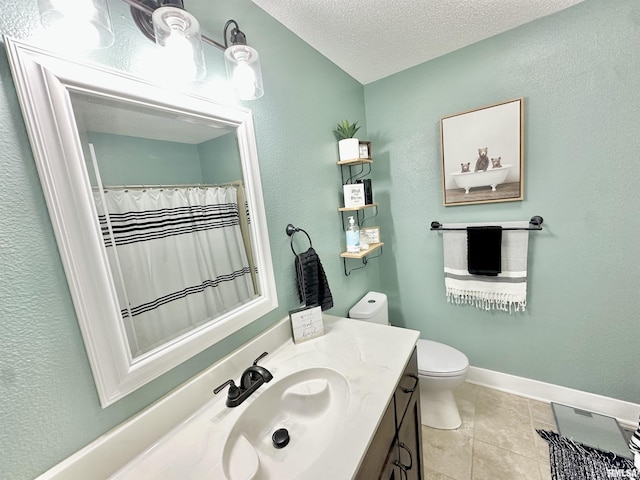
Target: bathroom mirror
156	203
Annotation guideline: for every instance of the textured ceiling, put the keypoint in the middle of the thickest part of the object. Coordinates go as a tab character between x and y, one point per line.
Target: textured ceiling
372	39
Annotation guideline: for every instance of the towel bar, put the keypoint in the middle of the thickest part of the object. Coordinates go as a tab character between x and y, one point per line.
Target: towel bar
291	231
534	224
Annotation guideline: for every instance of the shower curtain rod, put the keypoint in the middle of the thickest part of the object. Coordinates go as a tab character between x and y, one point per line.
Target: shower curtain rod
534	224
184	185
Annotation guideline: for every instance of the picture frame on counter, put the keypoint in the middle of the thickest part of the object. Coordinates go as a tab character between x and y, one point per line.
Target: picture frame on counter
372	233
306	323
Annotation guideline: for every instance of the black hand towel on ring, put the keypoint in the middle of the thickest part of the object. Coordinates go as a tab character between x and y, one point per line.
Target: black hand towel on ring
313	288
484	250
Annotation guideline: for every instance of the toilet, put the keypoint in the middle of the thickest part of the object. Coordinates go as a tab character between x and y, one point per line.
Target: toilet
441	368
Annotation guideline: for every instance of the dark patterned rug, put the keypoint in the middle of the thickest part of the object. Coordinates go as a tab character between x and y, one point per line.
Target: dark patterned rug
573	461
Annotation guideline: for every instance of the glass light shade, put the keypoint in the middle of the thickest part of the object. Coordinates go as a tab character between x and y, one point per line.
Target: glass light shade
77	23
178	32
243	70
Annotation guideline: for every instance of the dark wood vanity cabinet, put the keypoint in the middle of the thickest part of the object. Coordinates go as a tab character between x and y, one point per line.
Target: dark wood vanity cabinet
395	452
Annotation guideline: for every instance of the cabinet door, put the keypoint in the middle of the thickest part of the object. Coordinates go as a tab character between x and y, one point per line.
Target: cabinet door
392	469
377	457
410	441
407	386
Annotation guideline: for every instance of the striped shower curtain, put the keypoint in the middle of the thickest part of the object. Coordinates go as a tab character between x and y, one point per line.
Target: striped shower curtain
177	257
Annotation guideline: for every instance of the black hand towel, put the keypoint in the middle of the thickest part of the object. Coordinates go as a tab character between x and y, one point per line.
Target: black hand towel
313	288
484	246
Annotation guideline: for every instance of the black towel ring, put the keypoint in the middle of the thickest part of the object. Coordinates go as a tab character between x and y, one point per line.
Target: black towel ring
291	231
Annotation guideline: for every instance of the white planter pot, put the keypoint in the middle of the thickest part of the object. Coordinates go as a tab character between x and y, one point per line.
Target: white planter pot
349	148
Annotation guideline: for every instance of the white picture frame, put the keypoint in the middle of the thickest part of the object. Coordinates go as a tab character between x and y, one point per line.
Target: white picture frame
306	324
372	233
353	195
365	149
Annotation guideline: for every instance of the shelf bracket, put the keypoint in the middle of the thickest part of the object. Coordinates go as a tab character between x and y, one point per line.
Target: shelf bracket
365	261
352	176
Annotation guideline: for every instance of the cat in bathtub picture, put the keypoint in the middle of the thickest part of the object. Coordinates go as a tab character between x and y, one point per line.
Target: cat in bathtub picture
495	162
465	167
483	160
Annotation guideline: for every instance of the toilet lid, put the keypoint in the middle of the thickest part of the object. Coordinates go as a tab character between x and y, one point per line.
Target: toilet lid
440	360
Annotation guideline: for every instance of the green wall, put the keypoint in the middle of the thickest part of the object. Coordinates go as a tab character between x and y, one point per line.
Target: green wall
220	159
49	407
578	73
134	161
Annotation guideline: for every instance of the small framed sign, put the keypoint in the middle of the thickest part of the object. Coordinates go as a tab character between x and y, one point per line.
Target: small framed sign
353	195
306	323
365	149
372	233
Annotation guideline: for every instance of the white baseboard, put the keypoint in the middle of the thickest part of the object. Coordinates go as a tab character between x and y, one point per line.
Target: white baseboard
625	412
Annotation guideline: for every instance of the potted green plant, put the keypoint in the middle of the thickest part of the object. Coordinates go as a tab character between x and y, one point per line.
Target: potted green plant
348	146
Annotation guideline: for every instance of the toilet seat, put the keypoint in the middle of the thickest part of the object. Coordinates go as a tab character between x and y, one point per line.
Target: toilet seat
440	360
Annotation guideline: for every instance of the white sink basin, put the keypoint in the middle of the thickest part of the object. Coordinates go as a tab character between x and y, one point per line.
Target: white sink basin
311	404
329	393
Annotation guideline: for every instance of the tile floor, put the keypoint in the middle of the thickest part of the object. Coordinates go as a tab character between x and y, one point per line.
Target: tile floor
496	441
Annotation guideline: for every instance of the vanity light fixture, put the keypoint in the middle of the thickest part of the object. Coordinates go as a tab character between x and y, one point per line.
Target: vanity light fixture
66	20
178	32
242	63
170	26
167	23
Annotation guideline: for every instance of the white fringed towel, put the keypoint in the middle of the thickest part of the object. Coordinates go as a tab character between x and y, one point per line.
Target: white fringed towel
508	290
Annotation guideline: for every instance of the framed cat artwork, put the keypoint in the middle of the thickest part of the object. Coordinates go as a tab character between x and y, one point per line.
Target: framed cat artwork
482	154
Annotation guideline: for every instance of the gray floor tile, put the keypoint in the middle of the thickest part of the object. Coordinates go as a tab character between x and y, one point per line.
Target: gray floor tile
497	439
433	475
541	412
505	429
447	452
495	463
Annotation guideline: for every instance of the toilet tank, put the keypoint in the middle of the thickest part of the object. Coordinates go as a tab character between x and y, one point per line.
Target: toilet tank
371	308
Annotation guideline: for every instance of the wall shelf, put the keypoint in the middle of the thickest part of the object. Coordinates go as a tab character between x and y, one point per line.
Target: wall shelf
353	175
355	161
355	209
363	253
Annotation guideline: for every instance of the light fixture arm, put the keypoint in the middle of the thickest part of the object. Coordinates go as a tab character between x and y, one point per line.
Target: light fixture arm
237	36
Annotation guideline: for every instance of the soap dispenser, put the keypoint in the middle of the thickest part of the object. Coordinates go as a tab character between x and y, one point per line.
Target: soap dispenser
353	237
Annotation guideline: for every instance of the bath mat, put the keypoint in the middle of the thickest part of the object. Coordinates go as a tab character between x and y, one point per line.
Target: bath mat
573	461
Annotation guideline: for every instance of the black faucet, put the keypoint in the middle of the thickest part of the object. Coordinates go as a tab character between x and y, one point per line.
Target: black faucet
252	378
254	374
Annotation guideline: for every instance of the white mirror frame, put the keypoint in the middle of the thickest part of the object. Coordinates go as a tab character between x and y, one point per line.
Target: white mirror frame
43	82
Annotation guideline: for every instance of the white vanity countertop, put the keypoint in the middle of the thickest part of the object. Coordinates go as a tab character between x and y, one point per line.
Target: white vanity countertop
371	358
